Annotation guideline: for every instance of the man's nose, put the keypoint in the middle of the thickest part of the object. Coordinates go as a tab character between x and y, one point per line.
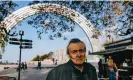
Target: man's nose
78	54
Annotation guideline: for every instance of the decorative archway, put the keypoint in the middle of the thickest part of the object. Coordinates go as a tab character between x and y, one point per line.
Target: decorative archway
27	11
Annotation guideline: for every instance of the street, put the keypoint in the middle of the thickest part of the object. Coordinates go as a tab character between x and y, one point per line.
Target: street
29	74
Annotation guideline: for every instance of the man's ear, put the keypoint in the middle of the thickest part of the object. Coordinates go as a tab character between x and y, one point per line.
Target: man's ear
69	56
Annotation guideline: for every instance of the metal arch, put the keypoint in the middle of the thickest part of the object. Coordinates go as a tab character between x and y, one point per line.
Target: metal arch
27	11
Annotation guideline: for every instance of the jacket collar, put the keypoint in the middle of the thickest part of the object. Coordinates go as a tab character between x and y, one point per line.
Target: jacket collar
74	68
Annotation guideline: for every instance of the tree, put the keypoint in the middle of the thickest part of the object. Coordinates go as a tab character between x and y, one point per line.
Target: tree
45	56
6	8
102	14
51	53
37	58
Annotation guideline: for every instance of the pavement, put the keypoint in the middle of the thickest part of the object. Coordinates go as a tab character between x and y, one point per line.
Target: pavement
31	73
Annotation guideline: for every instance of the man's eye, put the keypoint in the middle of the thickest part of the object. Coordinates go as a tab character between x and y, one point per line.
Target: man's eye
74	51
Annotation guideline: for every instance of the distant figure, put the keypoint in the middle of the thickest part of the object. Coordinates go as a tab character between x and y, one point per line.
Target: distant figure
53	60
25	65
17	69
100	68
39	65
56	62
22	66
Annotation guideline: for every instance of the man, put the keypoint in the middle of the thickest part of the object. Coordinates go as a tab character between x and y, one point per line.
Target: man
76	68
113	72
39	65
100	68
127	62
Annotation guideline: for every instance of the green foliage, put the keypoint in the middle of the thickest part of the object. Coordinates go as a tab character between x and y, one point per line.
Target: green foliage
45	56
102	14
37	58
6	8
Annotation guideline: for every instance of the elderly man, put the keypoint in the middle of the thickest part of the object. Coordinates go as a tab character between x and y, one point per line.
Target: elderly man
76	68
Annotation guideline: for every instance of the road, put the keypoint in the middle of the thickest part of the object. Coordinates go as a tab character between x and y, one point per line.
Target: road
30	74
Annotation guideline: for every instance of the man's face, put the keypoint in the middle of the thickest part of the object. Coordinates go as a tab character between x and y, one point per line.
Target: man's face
127	60
77	53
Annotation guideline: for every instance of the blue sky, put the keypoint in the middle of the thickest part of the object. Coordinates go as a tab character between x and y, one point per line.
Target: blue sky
39	46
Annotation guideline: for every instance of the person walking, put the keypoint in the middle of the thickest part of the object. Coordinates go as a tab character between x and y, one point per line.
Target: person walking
22	66
56	62
25	65
100	68
39	65
76	68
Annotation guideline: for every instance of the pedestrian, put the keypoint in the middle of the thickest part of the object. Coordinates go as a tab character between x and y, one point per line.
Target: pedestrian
22	66
39	65
53	60
25	65
76	68
56	62
100	68
113	72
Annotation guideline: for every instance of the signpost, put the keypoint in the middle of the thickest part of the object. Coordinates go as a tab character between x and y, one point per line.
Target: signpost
23	44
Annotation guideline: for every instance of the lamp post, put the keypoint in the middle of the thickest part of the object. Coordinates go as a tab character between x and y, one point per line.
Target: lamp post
21	33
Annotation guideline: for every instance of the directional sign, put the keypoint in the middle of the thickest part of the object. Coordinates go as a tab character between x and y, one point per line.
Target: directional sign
14	39
26	40
18	43
15	43
23	40
27	43
26	47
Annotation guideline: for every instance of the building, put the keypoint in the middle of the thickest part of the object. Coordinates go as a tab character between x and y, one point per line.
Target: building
61	56
119	50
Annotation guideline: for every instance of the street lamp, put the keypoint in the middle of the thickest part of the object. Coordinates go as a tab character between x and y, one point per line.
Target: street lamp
21	33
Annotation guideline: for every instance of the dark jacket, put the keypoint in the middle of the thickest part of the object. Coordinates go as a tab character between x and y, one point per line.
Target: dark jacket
68	71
